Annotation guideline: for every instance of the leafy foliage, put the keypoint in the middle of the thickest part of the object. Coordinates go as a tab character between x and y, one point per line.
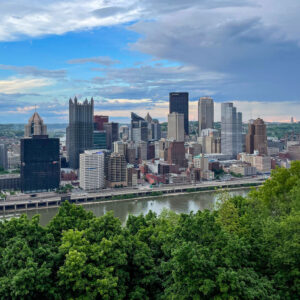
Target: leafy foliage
246	248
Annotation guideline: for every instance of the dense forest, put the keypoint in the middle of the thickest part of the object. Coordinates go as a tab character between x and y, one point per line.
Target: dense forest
246	248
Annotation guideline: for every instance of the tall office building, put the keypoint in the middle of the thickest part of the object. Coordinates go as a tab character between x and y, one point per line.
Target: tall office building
179	102
176	127
99	139
120	147
3	156
256	139
231	130
205	113
156	130
112	134
91	171
139	128
80	130
176	154
117	170
35	126
99	122
40	162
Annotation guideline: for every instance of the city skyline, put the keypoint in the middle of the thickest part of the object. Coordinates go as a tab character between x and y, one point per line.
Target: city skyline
130	55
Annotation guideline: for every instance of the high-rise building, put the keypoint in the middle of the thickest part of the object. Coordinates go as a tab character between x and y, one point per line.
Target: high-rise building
80	130
211	141
91	171
112	134
142	150
156	130
231	130
179	102
176	127
176	154
124	132
139	128
256	139
3	156
35	126
205	113
99	122
117	170
99	139
120	147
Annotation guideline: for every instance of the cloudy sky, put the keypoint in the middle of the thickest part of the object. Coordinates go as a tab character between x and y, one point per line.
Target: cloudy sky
130	54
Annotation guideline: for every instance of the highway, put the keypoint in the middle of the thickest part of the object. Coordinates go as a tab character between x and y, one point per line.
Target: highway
44	200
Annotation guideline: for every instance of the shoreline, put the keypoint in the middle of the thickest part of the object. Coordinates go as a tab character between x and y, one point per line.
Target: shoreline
136	199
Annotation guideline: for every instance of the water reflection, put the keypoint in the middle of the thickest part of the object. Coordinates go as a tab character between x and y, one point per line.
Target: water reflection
178	203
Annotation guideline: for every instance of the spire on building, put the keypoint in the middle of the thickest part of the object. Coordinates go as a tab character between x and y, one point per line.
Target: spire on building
35	126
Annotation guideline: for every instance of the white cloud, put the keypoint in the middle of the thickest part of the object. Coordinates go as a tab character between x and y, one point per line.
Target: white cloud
18	85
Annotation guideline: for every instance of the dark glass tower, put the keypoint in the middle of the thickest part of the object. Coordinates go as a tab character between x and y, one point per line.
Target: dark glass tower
112	134
80	130
40	165
179	102
139	128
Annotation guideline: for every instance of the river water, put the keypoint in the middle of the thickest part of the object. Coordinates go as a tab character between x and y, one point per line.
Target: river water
182	203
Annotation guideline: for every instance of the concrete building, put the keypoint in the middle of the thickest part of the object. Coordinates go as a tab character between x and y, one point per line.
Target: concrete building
211	141
231	130
10	182
132	176
176	127
176	154
35	126
261	163
120	147
91	172
139	128
117	170
294	152
124	132
3	156
243	169
179	103
80	130
256	139
142	151
205	113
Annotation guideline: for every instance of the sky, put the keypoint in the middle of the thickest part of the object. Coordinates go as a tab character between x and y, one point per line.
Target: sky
128	55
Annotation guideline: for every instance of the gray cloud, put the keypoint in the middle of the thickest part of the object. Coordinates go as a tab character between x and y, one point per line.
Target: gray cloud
101	60
34	71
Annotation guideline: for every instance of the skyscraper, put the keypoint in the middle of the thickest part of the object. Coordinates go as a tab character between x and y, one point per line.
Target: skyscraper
35	126
179	102
231	130
112	134
3	156
139	128
256	139
99	122
91	170
176	127
80	130
117	170
40	162
205	113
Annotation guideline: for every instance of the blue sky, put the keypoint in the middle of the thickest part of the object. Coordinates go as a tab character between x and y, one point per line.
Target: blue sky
129	55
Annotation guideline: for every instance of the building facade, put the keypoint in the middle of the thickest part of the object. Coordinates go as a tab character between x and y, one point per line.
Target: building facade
205	113
80	130
91	171
112	134
40	164
139	128
35	126
231	130
99	122
176	127
256	138
179	103
3	156
117	170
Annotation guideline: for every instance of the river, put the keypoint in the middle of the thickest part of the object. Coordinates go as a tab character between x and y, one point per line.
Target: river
181	203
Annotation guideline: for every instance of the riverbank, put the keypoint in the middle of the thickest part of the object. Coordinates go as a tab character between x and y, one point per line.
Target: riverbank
130	197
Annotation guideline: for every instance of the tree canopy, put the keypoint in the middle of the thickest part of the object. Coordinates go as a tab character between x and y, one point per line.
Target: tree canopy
245	248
